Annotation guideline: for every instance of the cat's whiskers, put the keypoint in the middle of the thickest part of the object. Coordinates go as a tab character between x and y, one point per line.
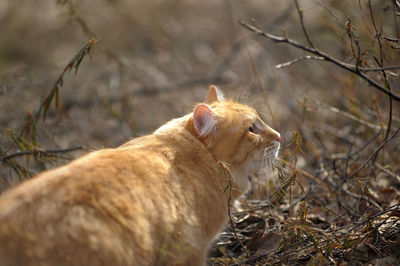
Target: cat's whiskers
267	166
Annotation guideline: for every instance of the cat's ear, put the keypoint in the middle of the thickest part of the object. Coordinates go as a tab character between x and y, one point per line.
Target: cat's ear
204	119
214	95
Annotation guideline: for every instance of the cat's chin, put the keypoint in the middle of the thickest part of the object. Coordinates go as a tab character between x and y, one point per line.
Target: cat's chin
241	174
241	179
261	166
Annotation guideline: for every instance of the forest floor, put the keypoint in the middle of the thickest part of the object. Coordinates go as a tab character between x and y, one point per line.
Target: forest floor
75	78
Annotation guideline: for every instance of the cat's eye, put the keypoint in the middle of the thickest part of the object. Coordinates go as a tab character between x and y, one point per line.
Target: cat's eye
254	129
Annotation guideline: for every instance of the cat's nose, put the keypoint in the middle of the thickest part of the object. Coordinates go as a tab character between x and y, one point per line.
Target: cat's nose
272	134
276	136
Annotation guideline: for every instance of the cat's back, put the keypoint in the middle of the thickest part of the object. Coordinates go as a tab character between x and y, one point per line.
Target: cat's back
71	213
106	169
121	202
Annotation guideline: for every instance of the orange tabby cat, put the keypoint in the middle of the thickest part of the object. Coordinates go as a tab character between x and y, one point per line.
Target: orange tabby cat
156	200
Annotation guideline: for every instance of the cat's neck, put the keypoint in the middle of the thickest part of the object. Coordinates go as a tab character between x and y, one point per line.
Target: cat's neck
178	136
173	125
176	133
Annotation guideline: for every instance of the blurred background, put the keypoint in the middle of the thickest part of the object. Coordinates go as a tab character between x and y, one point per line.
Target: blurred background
154	60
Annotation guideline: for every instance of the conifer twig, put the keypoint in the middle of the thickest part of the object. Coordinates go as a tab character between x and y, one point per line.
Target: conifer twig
39	152
74	63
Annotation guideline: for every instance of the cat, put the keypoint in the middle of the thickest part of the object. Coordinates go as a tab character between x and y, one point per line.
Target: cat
159	199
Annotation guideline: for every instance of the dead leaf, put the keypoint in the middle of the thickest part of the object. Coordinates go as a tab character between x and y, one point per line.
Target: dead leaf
269	242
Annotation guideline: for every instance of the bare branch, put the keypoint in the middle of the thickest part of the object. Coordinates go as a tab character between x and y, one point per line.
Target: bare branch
396	3
387	38
367	69
352	68
350	116
307	57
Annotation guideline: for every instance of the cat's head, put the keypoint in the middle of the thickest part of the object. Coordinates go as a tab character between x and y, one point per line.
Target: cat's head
235	135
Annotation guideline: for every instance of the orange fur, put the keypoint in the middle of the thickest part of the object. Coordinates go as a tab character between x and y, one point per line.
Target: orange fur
156	200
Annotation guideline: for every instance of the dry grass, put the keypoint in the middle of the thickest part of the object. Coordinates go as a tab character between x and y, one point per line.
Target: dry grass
336	199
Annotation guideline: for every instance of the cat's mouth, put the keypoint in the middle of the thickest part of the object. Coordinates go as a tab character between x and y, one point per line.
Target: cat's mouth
268	161
259	168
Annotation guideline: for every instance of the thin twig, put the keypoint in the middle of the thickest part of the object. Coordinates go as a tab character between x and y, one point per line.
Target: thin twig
387	38
307	57
383	169
354	195
350	116
368	69
373	154
300	11
389	209
376	32
73	63
380	63
78	19
39	152
396	3
253	65
230	184
362	147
